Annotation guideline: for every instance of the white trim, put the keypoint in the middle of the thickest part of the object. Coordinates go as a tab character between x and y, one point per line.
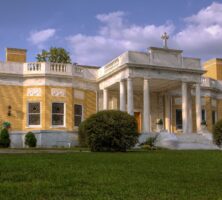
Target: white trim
27	114
82	117
64	115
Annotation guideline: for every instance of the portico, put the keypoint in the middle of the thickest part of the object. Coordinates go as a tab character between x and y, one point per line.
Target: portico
149	83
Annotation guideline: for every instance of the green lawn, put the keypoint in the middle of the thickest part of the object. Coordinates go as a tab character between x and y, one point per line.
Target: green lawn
134	175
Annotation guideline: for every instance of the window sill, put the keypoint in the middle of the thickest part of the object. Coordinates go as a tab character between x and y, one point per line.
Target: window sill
34	126
57	126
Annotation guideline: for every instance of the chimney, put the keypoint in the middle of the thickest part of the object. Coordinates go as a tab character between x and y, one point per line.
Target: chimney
15	55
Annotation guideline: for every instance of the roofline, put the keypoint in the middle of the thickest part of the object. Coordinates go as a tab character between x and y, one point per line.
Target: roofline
17	49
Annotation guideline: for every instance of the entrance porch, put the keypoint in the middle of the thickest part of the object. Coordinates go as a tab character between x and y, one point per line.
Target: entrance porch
177	103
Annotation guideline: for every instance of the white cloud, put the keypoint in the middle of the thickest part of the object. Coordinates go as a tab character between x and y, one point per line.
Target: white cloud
207	16
113	38
40	37
201	36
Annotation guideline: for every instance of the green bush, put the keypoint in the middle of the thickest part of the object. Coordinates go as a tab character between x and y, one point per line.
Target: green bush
30	139
108	130
6	125
4	138
217	133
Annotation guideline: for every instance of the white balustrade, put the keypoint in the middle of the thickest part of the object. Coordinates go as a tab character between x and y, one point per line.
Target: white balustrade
58	67
34	67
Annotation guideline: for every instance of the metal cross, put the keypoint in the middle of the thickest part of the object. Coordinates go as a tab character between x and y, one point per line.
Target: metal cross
165	37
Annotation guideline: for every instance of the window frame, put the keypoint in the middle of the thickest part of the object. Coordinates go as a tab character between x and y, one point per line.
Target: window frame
82	117
27	115
64	115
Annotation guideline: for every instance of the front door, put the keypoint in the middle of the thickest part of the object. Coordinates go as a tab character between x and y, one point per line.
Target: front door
138	120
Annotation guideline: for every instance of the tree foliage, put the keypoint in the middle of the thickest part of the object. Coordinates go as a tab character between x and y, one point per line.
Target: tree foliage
30	139
4	138
217	133
54	55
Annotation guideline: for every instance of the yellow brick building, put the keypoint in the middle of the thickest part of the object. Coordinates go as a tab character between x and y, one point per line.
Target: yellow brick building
51	99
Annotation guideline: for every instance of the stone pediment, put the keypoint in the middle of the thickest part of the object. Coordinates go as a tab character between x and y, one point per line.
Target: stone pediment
165	57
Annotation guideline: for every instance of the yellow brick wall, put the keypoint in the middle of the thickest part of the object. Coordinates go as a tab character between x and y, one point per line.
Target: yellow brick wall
16	97
15	55
213	68
11	96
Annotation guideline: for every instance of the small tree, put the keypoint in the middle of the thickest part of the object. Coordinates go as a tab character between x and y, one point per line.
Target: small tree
54	55
4	138
30	139
217	133
109	131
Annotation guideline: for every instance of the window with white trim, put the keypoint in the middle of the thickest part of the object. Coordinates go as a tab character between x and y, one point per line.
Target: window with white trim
78	114
58	114
33	114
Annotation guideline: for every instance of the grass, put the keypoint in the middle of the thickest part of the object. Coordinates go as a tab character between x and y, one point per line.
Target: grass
112	176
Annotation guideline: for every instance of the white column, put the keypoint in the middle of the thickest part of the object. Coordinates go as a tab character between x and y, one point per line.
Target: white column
105	99
122	94
190	118
146	106
130	106
198	108
184	107
167	112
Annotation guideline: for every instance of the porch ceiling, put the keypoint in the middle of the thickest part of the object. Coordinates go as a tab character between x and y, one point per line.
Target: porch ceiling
156	85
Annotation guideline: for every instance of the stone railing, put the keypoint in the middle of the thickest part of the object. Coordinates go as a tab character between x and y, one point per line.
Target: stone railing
11	68
58	69
47	68
111	65
209	82
33	67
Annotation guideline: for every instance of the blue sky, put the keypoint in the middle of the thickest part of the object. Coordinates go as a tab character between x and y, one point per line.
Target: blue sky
95	31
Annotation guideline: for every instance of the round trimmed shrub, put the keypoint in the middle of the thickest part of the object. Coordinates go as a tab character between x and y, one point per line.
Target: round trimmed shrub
4	138
30	139
109	130
217	133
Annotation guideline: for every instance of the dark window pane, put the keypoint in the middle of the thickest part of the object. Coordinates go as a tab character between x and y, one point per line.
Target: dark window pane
34	119
34	108
213	117
58	108
57	119
78	109
78	120
203	115
179	123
